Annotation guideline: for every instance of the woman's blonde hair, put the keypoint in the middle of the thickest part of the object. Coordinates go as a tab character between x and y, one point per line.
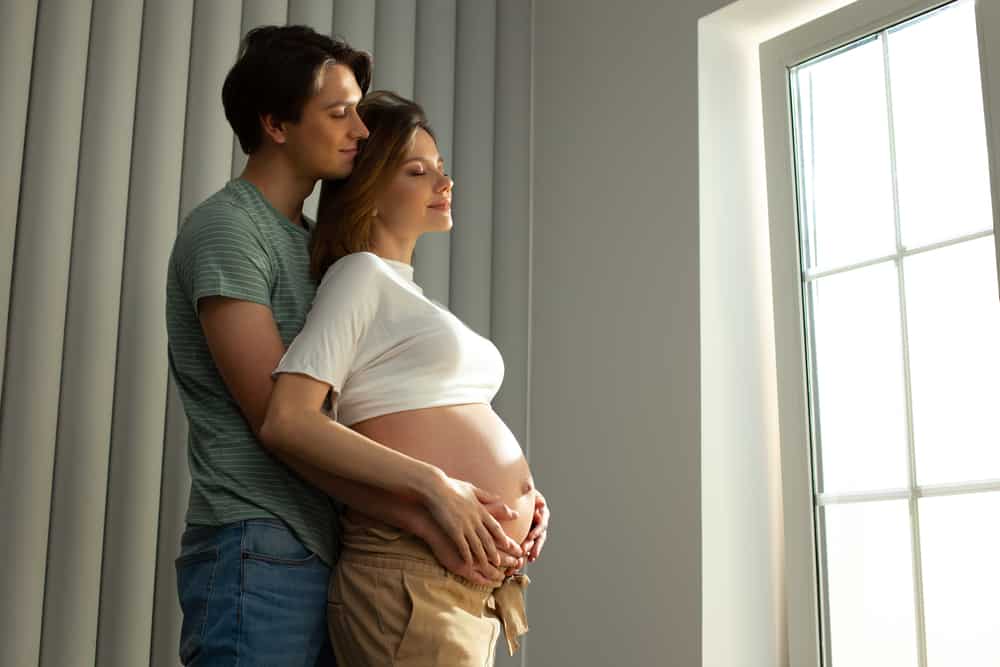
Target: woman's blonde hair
345	217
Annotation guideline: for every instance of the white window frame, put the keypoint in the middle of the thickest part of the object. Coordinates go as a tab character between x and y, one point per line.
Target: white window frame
777	57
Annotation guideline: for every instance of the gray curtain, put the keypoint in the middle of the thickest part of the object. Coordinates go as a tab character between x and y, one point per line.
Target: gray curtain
114	130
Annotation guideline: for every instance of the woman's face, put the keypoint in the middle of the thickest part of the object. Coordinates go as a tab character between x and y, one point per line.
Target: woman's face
418	198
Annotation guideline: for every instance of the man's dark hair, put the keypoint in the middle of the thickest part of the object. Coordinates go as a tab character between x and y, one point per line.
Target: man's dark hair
276	73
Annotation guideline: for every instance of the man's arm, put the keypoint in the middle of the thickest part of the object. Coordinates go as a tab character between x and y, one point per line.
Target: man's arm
246	346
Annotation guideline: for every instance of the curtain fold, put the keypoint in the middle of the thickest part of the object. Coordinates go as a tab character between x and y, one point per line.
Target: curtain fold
37	320
116	130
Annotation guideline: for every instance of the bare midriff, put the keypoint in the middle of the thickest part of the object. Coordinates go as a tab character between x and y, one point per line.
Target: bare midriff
468	442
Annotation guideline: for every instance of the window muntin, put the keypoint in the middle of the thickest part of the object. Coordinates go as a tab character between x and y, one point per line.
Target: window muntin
902	322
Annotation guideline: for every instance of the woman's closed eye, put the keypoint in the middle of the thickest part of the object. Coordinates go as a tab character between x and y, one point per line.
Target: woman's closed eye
424	173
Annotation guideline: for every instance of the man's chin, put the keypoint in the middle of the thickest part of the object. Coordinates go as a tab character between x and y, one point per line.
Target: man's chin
338	172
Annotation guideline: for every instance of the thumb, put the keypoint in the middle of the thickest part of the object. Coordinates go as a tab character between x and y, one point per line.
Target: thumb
485	496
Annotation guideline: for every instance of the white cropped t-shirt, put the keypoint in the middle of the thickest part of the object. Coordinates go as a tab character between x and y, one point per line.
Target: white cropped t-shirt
384	347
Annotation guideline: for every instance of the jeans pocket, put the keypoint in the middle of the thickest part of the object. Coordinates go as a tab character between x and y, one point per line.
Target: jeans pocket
272	541
195	576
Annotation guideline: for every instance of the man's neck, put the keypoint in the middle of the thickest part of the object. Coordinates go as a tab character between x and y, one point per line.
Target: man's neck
279	184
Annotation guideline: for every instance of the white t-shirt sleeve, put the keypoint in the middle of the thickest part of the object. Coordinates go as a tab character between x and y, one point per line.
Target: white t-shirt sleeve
344	307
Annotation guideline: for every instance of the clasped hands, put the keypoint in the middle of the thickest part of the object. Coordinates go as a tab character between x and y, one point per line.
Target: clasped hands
511	559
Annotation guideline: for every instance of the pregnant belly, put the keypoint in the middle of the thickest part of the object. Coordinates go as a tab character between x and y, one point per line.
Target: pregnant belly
468	442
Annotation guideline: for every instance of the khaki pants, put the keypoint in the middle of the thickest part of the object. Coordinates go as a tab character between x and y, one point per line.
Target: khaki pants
391	603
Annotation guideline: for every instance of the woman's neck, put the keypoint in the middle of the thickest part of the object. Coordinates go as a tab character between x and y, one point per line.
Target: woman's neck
388	247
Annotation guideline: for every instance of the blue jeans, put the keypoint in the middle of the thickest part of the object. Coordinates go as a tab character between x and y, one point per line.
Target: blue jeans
251	594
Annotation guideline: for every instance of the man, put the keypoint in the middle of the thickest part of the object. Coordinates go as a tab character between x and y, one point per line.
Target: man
262	532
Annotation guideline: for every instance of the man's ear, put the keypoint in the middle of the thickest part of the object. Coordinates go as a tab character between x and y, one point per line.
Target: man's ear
273	128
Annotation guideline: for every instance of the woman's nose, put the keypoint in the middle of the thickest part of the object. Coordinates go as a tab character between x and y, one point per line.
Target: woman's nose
360	131
446	184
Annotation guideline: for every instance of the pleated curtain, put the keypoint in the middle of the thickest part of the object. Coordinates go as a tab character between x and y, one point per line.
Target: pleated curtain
113	131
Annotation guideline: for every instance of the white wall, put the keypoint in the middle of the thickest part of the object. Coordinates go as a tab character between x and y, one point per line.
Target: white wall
615	339
742	534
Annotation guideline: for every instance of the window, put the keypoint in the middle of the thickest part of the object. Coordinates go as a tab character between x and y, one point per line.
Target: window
887	320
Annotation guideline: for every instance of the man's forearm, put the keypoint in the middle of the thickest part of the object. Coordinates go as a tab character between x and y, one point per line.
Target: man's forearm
372	501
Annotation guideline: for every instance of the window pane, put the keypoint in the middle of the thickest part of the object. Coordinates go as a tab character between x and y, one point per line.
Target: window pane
870	585
844	158
937	102
960	547
859	380
953	314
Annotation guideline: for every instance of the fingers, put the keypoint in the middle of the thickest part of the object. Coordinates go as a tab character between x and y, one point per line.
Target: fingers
486	497
488	544
540	501
513	548
497	531
478	550
513	570
492	574
539	523
536	549
463	546
542	516
507	561
502	512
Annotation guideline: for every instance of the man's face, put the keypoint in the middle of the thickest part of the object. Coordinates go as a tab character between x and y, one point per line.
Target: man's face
324	142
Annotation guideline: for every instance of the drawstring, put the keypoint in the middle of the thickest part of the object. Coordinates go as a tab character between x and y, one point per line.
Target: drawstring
508	602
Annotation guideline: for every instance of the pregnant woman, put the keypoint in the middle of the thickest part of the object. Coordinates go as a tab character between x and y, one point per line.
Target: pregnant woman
410	386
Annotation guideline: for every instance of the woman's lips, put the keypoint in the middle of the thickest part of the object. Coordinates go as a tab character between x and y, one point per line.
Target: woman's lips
441	206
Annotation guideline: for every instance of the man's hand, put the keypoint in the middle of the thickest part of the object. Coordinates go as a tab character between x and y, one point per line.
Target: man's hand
450	558
535	540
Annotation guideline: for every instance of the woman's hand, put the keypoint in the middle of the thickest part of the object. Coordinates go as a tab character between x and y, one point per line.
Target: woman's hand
463	511
539	532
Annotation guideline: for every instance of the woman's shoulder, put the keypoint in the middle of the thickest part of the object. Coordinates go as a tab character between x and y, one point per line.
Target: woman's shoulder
358	265
357	273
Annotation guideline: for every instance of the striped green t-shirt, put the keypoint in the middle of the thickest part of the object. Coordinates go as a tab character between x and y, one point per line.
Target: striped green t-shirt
236	245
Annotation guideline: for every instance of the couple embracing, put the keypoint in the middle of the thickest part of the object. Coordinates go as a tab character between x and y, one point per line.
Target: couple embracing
355	500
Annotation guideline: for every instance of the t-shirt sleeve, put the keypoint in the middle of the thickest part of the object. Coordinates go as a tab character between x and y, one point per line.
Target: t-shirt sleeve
342	312
221	252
